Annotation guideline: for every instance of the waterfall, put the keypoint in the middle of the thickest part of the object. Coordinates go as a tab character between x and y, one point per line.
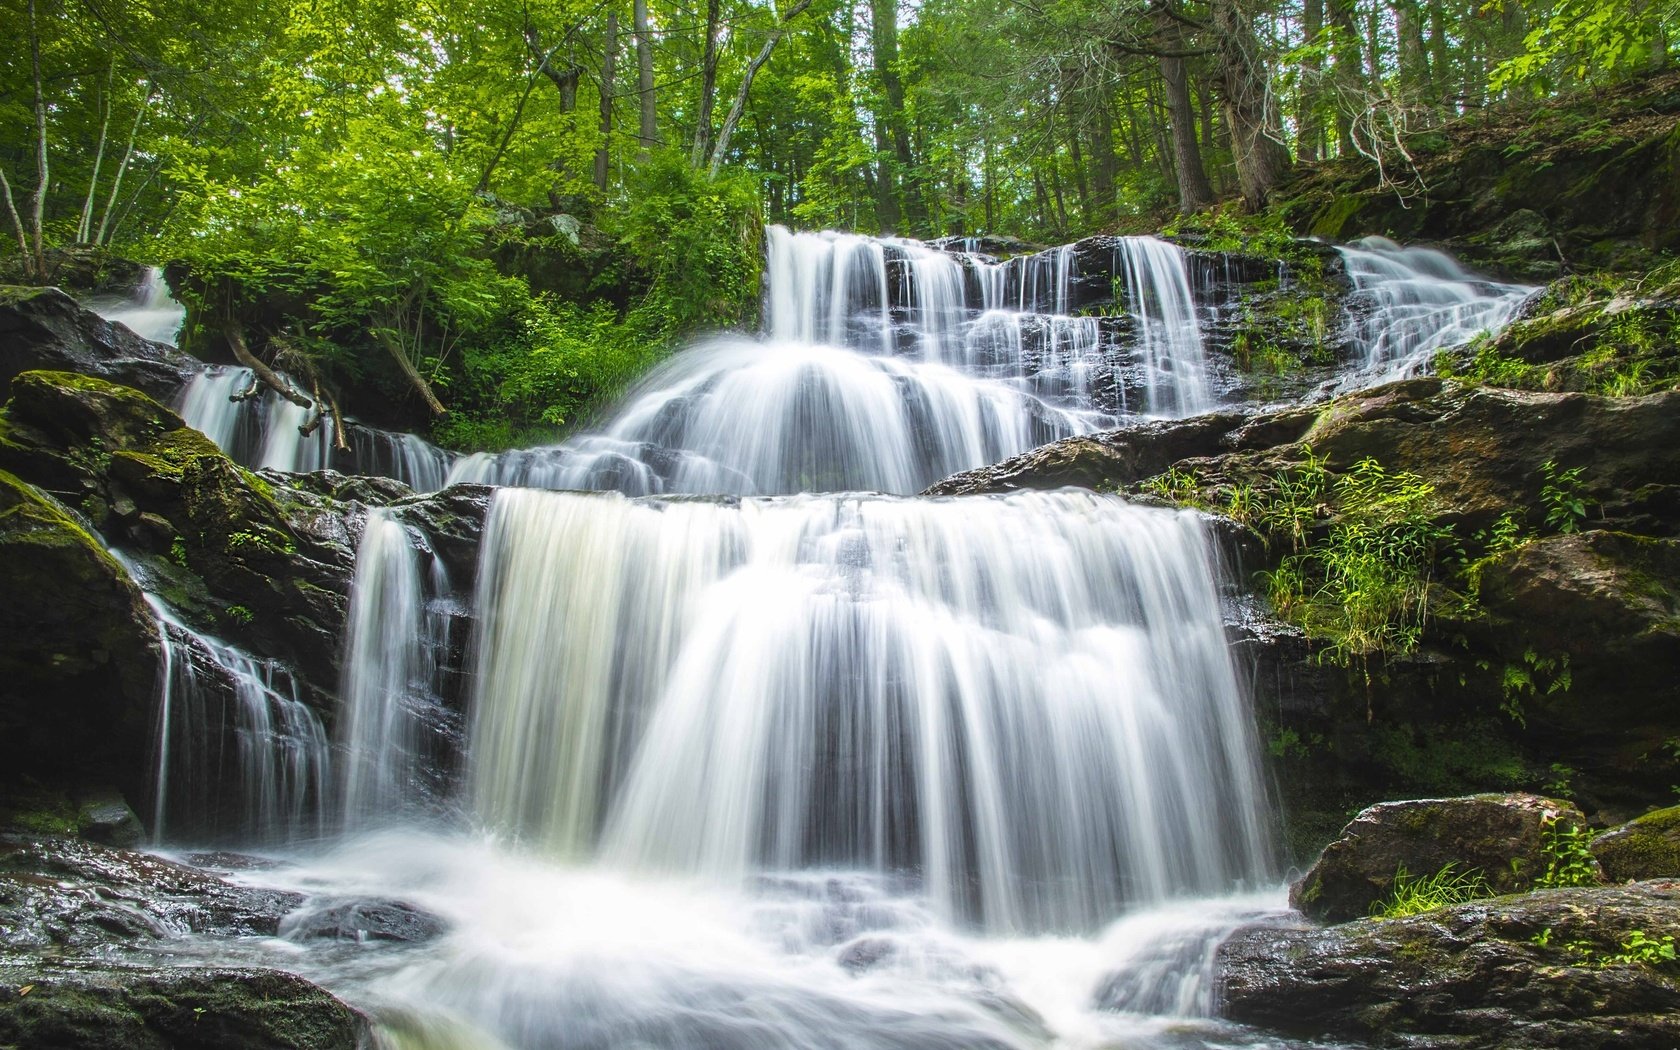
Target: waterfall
395	635
1026	700
886	365
149	312
266	431
238	753
1410	302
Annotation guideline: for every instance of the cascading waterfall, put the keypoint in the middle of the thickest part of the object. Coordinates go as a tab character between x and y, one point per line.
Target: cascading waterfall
150	312
1410	302
263	429
1028	700
826	771
886	365
393	718
238	754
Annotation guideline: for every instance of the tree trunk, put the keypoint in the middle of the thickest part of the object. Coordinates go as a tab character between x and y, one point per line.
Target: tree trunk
565	80
17	225
269	377
1250	117
739	106
1345	55
609	61
1194	192
38	201
883	46
708	87
122	169
649	130
1310	144
1105	166
84	228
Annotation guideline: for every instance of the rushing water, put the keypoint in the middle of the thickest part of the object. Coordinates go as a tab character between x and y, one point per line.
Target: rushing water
886	365
1410	302
149	312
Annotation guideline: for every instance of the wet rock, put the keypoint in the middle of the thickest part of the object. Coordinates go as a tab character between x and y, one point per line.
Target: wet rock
84	1005
362	921
1543	969
105	817
1645	848
43	328
64	894
1499	836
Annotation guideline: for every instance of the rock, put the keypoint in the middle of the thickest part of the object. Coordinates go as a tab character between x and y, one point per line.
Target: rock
43	328
1645	848
105	817
1499	836
362	921
1535	970
61	894
88	1005
78	650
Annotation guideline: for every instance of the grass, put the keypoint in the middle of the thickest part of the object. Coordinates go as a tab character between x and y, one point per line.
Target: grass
1416	894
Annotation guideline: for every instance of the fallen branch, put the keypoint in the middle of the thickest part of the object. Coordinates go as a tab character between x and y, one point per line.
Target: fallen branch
412	374
269	376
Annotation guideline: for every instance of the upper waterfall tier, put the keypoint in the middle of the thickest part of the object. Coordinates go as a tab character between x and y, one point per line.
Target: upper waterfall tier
887	365
1027	702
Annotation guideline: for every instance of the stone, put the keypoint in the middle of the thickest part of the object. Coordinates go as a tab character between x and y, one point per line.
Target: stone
1501	837
1647	847
105	817
363	922
1541	969
88	1005
44	328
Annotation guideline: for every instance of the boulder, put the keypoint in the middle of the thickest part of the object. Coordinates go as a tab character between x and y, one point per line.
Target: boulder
44	328
1645	848
362	921
1500	836
1552	968
78	649
88	1005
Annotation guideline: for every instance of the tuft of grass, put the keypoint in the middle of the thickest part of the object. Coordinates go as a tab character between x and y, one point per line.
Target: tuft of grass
1415	894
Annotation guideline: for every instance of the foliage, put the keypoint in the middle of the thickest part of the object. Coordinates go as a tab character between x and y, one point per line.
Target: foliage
1363	587
1563	495
1568	860
1589	40
1415	894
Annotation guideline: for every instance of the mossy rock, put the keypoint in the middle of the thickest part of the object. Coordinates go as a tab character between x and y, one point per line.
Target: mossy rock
78	409
78	647
1501	837
100	1006
1646	848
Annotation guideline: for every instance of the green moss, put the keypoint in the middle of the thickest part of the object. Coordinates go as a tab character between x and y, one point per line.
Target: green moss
1332	220
1646	848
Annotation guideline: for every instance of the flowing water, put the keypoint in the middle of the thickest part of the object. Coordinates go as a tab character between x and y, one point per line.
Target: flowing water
886	366
789	765
1409	303
149	312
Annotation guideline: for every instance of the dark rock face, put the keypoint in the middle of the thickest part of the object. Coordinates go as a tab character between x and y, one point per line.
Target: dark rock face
362	921
1537	970
1645	848
78	648
1499	836
43	328
104	1006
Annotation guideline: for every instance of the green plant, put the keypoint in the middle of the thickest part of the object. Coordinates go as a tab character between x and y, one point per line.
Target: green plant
1537	675
1564	495
1413	894
1639	949
1562	784
238	614
1175	486
1568	860
178	552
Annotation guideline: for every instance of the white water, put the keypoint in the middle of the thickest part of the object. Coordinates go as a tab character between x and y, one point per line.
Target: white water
886	365
1409	303
150	312
1026	700
238	754
266	431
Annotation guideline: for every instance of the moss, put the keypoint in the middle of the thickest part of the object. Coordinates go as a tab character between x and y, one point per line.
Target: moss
37	810
1332	220
1646	848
